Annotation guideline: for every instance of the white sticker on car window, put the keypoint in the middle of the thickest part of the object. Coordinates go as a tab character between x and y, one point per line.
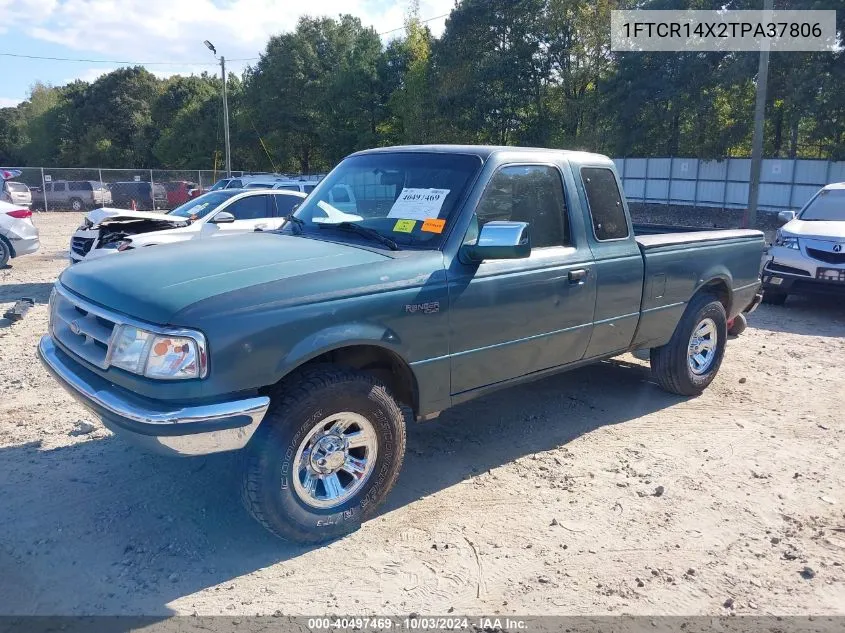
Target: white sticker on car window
418	204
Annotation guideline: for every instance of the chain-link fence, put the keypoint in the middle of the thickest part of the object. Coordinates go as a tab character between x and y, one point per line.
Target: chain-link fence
80	188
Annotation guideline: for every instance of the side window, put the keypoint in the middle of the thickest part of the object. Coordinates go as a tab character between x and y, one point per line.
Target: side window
235	184
48	186
528	193
285	204
251	208
74	186
605	201
58	186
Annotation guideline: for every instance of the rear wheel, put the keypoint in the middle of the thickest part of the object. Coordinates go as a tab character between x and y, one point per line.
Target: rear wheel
76	204
774	298
689	362
5	252
325	457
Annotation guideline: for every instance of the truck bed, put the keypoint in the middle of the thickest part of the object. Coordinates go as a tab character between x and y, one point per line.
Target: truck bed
650	236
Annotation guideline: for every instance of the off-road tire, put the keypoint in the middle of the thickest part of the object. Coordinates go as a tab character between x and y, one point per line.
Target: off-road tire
299	404
5	252
774	298
670	364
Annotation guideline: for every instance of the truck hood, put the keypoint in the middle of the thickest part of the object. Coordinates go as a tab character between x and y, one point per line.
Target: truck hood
816	229
157	283
97	216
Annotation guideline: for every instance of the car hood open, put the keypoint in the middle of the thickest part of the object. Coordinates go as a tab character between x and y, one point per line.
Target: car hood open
104	214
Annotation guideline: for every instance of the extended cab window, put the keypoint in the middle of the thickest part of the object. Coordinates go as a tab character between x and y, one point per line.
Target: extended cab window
251	208
527	193
605	201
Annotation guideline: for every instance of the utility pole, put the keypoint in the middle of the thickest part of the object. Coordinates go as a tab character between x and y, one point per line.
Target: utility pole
759	121
228	161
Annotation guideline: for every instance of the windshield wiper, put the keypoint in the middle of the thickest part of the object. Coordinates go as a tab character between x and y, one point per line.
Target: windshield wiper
298	224
361	230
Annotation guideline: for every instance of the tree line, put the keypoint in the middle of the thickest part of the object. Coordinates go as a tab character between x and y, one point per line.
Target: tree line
517	72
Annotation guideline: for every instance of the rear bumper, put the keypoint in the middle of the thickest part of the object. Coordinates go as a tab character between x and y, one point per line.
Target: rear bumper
24	245
158	426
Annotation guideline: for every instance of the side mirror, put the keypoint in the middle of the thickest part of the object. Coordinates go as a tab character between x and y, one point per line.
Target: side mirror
500	240
224	217
786	216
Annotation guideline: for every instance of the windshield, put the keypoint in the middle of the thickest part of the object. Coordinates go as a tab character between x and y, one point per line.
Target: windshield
408	197
203	205
220	184
828	205
18	187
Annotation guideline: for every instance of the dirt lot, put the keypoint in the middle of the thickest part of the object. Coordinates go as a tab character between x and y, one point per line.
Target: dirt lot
541	499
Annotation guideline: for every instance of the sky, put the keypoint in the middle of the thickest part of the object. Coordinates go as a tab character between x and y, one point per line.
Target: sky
166	36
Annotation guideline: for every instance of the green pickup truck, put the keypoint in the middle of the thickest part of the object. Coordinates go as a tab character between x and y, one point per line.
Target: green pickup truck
458	270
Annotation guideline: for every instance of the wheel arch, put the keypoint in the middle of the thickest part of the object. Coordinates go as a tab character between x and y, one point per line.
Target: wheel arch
8	243
370	349
718	285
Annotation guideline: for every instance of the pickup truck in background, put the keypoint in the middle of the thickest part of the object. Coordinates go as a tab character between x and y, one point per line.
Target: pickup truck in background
467	269
73	195
808	256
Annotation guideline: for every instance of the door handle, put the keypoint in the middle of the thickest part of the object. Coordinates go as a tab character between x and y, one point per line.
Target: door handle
577	276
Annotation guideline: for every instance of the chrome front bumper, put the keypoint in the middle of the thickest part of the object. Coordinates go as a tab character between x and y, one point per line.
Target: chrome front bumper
159	426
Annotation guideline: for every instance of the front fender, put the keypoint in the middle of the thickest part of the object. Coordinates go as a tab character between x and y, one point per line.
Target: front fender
336	337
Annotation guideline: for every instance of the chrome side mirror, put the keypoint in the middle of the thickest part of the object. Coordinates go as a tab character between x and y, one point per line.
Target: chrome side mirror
500	240
785	217
223	217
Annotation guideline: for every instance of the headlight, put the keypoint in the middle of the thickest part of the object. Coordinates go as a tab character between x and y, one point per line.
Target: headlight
159	356
787	241
86	224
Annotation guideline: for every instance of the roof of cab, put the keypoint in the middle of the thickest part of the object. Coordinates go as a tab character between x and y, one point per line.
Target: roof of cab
485	151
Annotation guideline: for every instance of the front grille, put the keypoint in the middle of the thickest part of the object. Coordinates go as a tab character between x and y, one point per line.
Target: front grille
780	268
82	330
81	245
824	256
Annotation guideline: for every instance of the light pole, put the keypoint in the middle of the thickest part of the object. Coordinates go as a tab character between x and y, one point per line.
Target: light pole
210	47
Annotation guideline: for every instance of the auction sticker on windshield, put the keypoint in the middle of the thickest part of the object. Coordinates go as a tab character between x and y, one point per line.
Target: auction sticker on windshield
433	225
404	226
418	204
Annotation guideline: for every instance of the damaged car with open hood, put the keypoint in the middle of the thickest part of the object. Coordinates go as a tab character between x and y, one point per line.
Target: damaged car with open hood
108	231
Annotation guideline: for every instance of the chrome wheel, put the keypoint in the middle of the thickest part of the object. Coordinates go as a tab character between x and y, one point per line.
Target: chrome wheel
335	460
702	347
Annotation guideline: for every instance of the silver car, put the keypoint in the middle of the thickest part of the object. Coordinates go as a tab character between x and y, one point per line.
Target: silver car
16	193
18	235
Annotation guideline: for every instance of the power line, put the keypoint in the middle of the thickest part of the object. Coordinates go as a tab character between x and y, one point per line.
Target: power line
436	17
107	61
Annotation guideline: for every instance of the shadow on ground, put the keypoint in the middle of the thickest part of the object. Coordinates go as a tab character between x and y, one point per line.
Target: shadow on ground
101	527
38	291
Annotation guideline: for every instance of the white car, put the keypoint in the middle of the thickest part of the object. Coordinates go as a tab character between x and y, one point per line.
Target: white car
18	235
109	231
808	256
15	193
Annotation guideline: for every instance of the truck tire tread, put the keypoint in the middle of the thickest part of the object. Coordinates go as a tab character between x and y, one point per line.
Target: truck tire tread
292	391
669	364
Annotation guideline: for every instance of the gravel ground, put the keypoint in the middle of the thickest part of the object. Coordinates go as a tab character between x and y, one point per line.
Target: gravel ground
587	493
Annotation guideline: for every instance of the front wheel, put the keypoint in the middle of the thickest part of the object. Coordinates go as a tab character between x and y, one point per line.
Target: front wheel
689	362
325	457
76	204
